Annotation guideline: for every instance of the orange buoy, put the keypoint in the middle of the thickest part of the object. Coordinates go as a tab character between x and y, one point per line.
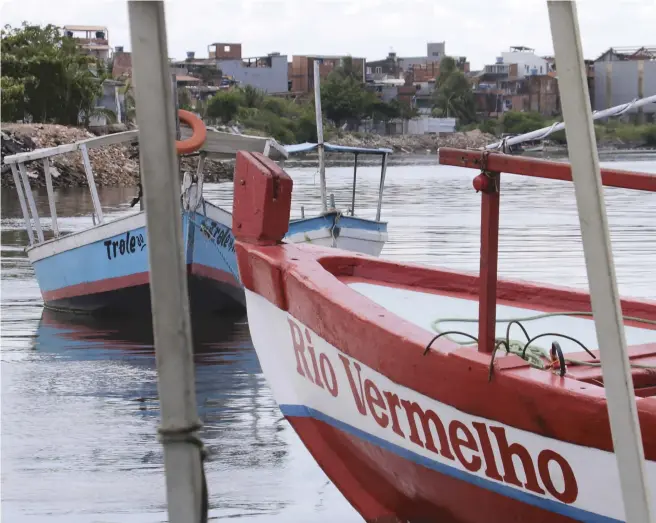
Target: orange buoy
198	136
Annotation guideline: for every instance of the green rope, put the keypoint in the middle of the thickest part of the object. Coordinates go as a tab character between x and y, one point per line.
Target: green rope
533	354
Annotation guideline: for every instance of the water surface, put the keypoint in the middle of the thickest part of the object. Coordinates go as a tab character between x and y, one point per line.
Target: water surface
79	407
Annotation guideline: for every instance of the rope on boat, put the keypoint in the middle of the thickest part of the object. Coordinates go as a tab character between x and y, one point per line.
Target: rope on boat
533	354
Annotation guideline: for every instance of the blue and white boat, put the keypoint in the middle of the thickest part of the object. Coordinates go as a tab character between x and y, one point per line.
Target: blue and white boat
105	268
334	228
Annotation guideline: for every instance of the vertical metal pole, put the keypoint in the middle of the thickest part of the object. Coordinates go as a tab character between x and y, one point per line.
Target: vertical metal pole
23	205
383	170
487	276
609	324
168	281
31	202
355	175
176	105
320	146
51	196
92	183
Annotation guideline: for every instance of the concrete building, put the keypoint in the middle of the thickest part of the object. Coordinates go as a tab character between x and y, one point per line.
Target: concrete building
519	80
435	52
623	74
528	63
267	73
92	39
302	70
122	64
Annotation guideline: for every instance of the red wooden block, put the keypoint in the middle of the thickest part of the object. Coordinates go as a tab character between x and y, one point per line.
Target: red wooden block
262	200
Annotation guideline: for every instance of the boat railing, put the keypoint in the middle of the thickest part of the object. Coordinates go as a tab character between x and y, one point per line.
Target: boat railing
218	145
22	181
488	182
383	152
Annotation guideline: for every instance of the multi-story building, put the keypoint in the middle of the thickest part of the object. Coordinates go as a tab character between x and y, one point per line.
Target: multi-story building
267	73
519	80
302	70
92	39
622	74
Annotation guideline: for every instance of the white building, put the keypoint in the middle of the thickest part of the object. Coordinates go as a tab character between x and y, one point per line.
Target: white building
528	63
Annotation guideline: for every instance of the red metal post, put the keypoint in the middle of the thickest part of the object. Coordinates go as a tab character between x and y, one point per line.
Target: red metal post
488	183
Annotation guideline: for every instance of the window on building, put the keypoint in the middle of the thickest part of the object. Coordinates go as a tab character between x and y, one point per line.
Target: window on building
226	48
368	70
379	70
540	69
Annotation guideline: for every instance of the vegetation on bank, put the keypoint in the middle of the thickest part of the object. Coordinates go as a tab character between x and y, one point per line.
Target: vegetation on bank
344	104
613	130
46	79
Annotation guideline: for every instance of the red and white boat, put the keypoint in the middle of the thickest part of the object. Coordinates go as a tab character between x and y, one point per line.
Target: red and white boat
460	432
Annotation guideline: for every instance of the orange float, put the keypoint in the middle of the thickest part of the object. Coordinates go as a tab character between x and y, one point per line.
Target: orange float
198	136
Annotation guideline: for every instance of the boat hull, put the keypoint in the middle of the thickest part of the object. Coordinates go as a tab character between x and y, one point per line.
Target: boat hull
104	270
411	438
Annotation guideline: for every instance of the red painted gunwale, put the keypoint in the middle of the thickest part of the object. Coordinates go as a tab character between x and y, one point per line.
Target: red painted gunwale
305	281
310	283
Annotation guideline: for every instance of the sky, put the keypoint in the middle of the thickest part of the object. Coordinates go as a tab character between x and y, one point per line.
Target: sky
478	29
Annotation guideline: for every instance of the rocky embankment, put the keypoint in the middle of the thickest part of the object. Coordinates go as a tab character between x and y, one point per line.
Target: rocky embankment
118	165
113	165
411	144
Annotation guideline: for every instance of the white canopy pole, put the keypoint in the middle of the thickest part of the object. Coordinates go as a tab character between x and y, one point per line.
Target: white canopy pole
609	324
320	147
168	280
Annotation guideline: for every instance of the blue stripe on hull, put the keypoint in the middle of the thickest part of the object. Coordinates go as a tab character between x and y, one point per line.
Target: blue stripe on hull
207	243
301	411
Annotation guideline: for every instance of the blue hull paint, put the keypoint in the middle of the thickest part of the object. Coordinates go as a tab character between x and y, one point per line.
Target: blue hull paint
111	275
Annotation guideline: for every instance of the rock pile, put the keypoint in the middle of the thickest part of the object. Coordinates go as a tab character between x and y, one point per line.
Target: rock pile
416	143
113	165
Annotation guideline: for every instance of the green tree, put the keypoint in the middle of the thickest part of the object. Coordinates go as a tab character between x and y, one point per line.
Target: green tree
45	77
453	95
225	105
516	122
343	99
252	97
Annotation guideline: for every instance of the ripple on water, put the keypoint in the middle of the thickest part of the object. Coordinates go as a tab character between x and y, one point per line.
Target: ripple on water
79	398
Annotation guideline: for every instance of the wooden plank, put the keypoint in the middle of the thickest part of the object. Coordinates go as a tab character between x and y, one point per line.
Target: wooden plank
542	168
51	196
225	145
23	205
92	183
111	139
31	202
604	295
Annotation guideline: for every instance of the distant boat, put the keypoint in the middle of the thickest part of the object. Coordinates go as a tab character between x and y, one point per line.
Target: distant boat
105	268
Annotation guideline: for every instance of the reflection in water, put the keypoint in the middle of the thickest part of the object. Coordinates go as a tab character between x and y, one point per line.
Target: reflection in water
79	396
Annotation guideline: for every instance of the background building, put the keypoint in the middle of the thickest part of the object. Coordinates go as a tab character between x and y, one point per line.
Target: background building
622	74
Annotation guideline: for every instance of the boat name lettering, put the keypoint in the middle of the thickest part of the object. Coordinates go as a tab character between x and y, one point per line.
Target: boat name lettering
219	234
128	245
479	447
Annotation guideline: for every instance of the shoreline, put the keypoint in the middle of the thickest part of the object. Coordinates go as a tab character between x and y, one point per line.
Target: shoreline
118	165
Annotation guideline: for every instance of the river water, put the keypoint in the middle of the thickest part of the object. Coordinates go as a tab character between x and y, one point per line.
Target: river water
79	406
